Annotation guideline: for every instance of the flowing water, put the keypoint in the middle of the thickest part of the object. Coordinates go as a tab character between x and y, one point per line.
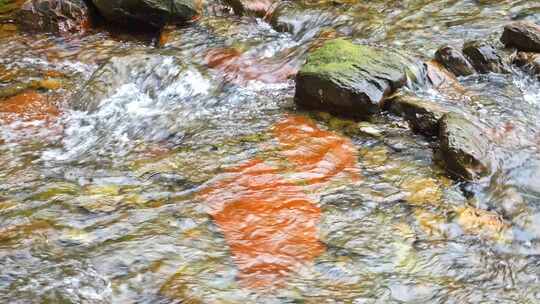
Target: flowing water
214	188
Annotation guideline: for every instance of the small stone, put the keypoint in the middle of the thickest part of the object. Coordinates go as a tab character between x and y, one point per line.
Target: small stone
522	35
422	115
454	61
484	57
464	147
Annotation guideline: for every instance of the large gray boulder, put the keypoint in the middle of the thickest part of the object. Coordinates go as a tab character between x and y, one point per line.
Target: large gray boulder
350	79
522	35
55	16
155	13
149	72
464	147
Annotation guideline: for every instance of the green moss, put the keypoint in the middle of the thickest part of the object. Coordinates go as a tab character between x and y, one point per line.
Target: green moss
343	56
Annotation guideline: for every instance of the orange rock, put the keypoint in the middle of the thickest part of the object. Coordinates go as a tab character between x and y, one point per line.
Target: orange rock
27	106
268	220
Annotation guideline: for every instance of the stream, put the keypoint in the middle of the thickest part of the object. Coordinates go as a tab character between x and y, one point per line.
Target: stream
201	181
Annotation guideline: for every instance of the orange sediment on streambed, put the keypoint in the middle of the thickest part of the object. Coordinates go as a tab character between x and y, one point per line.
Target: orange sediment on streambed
240	67
263	210
27	106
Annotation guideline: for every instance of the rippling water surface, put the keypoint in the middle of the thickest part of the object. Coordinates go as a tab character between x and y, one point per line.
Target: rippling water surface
216	189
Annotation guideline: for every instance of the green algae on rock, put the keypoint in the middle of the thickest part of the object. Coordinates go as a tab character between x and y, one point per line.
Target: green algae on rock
350	79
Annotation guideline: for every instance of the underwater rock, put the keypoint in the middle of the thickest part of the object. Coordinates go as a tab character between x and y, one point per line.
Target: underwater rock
150	72
464	147
350	79
55	16
522	35
481	222
155	13
454	61
484	57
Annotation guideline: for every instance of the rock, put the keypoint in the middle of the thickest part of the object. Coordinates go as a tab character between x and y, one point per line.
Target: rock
155	13
530	62
55	16
304	23
345	78
454	61
257	8
484	57
423	115
522	35
481	222
150	72
464	147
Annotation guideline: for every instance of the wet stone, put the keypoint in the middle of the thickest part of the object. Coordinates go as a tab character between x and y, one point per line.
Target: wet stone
423	115
349	79
522	35
454	61
56	16
154	13
484	57
464	147
529	62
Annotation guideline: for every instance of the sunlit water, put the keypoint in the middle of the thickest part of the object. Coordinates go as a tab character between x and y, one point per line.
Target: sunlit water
215	189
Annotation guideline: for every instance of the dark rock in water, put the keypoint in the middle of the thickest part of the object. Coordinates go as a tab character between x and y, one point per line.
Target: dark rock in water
530	62
464	147
522	35
257	8
149	72
155	13
484	57
423	115
454	61
349	79
55	16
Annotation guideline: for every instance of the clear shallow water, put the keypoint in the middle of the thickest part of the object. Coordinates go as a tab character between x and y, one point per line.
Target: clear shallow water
217	190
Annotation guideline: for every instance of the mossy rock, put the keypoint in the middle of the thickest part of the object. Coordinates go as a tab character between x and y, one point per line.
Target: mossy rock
350	79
